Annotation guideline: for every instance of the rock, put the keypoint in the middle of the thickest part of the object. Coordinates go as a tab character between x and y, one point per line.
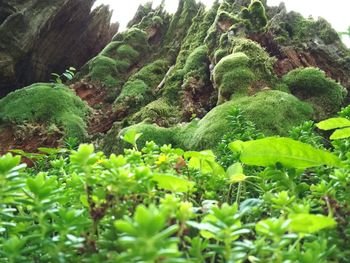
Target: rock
37	39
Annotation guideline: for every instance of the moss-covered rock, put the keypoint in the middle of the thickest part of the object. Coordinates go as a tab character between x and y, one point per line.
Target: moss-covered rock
312	85
46	103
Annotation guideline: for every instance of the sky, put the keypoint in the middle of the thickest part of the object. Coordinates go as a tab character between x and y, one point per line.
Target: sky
336	12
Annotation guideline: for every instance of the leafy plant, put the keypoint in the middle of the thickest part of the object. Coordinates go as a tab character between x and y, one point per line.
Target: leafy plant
66	76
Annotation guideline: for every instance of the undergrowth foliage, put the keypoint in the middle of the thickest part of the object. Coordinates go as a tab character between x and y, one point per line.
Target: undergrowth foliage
263	199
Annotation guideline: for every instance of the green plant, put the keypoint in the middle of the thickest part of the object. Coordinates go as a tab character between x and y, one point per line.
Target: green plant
66	76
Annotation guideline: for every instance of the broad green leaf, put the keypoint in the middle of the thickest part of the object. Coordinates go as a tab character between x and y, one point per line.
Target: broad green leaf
238	178
308	224
125	226
131	136
203	155
234	169
340	134
290	153
173	183
235	173
8	162
333	123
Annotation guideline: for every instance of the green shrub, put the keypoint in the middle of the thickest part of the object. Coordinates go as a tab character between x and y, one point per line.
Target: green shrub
46	103
150	132
312	85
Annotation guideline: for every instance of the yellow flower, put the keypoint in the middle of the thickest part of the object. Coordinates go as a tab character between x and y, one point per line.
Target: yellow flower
162	159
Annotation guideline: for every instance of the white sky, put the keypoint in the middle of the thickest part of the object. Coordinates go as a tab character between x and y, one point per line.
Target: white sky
335	11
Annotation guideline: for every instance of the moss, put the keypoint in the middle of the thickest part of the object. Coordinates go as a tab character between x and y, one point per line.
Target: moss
312	85
227	17
173	85
46	103
228	63
152	74
179	26
103	69
134	93
138	90
159	112
273	112
142	11
197	59
214	33
255	15
111	66
260	61
232	76
128	53
219	54
137	38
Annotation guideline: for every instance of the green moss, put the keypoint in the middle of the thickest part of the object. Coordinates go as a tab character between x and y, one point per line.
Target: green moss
219	54
232	76
158	111
273	112
103	69
227	17
134	93
312	85
179	25
197	59
46	103
137	38
153	73
111	66
138	90
126	52
228	63
255	14
260	61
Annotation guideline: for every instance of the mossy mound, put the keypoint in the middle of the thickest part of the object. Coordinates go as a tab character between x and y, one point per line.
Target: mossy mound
46	103
312	85
273	112
255	15
137	91
159	112
249	67
111	66
233	76
260	62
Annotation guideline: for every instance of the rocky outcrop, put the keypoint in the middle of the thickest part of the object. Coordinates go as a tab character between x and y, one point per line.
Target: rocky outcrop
37	38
